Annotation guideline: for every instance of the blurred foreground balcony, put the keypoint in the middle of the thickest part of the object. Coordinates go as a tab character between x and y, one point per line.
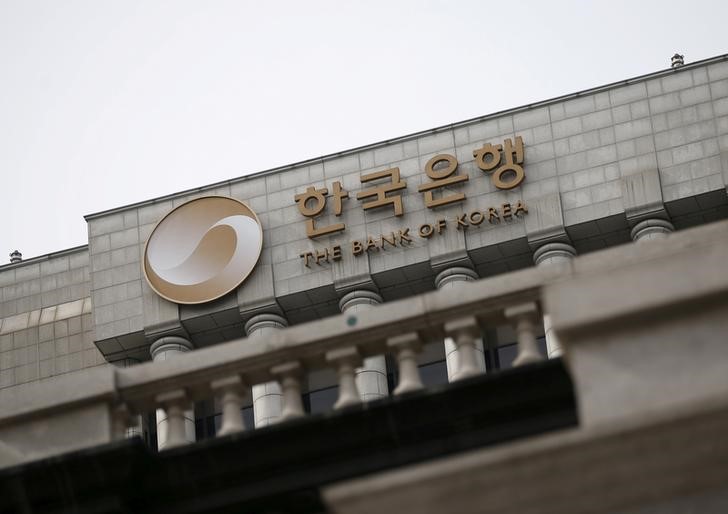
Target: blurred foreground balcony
632	418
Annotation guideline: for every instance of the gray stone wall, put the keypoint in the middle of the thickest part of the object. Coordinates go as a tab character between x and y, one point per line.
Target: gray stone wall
45	318
580	151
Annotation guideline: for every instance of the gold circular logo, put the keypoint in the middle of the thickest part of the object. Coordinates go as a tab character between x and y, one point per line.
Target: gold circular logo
202	250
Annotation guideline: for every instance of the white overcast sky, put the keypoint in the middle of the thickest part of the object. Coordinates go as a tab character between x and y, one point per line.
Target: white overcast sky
105	103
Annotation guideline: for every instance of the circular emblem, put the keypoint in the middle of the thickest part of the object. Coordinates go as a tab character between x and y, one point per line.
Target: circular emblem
202	250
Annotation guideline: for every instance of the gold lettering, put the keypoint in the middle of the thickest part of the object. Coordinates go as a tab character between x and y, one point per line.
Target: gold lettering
493	213
322	256
513	161
306	256
462	224
381	191
312	203
444	177
426	230
404	236
489	157
476	218
357	248
371	244
389	239
336	253
440	224
520	208
506	209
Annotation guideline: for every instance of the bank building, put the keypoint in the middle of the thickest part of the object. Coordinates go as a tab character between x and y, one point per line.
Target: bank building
524	312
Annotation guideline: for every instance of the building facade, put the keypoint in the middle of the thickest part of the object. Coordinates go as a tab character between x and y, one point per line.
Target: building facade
352	232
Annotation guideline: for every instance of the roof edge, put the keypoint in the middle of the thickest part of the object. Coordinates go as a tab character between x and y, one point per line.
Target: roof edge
44	257
407	137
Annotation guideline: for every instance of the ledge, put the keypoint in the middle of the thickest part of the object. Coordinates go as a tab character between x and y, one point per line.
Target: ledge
281	468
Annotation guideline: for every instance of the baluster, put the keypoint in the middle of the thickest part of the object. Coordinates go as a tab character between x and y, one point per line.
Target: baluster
464	332
406	347
174	404
523	318
289	376
346	360
231	391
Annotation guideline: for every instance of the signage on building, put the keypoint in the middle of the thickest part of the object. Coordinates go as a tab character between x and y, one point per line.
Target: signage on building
504	163
202	250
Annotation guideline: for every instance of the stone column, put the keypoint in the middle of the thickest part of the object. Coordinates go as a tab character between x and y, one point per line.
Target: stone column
164	348
450	278
644	206
653	228
553	254
267	398
371	378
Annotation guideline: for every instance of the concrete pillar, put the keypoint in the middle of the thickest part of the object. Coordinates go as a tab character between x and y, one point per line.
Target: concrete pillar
371	378
164	348
653	228
553	254
451	278
267	398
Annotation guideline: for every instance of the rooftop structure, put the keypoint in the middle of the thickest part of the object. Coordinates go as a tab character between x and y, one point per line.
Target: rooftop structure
523	312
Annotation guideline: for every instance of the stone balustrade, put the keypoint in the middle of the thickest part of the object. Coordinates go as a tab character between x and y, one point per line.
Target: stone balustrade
341	343
609	308
227	371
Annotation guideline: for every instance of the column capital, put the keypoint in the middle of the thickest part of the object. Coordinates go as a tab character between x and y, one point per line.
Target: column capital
359	297
545	221
455	274
454	259
170	342
172	327
560	251
642	196
355	283
264	306
653	228
265	320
